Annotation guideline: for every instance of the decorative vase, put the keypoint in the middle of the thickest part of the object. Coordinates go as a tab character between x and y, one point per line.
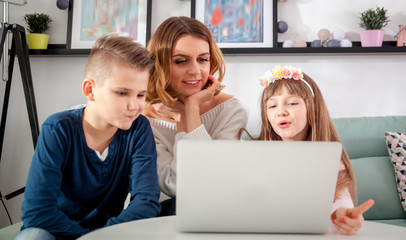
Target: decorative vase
37	41
371	38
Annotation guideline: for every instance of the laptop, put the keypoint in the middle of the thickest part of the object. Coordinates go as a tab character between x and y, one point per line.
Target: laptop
256	186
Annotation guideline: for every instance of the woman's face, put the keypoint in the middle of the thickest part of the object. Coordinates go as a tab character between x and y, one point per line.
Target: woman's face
190	65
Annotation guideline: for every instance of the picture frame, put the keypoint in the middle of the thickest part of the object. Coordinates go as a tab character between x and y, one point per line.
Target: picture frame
235	30
87	21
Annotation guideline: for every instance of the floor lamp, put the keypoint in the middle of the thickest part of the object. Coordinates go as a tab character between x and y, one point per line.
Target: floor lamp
19	48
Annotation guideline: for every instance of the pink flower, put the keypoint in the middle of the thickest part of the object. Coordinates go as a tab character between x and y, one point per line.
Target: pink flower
296	76
279	73
286	72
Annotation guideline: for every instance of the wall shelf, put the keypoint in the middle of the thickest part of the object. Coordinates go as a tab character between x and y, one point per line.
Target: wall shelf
387	48
59	50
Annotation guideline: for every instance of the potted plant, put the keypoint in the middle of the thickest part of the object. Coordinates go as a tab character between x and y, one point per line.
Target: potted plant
37	24
373	21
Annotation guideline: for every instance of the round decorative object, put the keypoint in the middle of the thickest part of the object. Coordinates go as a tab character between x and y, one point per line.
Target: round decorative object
324	34
62	4
316	43
299	43
345	43
338	34
287	44
282	27
333	43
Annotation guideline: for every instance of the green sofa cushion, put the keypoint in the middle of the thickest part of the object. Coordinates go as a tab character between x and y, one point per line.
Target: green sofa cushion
376	179
9	233
364	136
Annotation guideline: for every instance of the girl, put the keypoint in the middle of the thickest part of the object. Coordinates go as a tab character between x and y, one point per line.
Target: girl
184	99
293	109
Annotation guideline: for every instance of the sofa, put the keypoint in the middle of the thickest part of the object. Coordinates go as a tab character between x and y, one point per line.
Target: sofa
363	138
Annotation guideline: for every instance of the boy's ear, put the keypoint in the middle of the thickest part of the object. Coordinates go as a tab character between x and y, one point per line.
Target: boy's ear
87	88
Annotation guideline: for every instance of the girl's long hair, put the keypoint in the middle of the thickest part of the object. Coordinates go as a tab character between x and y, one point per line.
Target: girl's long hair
321	128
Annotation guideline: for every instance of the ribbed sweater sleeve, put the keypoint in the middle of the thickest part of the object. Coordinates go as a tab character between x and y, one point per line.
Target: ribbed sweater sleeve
222	122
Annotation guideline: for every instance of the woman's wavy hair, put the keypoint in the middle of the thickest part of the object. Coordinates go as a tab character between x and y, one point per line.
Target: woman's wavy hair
160	48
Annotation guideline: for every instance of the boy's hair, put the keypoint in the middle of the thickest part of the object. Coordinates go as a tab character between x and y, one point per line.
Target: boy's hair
321	127
160	47
109	50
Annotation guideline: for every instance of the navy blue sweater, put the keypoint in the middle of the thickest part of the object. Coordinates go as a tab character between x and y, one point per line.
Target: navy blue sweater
70	191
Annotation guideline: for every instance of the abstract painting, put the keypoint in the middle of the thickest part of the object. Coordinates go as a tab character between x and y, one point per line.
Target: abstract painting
91	19
237	23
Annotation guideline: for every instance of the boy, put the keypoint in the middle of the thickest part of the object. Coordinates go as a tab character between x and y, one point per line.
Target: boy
87	160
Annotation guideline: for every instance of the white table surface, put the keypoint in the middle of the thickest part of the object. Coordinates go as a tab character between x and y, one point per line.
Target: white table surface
164	228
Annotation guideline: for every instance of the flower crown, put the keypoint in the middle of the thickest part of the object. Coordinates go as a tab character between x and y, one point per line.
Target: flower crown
280	73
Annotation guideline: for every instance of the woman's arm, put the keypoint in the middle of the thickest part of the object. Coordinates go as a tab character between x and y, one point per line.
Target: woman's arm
190	114
221	124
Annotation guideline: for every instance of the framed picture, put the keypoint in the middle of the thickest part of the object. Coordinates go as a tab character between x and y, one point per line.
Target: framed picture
91	19
242	24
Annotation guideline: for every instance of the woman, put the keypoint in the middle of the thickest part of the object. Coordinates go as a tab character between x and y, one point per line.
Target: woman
184	98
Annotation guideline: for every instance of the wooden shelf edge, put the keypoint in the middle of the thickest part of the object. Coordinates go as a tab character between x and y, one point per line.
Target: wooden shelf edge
322	50
59	50
387	47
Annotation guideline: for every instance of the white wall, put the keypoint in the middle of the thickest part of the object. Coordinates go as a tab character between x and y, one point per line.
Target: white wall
353	84
305	18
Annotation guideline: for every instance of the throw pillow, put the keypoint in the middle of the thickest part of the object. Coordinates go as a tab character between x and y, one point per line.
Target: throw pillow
396	144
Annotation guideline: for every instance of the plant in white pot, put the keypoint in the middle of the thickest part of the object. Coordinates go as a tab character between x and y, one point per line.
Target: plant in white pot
37	23
373	21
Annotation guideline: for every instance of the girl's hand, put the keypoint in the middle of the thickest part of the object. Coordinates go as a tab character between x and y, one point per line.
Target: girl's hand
205	94
349	220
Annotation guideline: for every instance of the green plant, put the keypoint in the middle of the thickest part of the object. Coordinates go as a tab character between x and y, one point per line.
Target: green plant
37	22
374	19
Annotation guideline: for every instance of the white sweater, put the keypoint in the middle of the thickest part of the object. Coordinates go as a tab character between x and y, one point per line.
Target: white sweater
222	122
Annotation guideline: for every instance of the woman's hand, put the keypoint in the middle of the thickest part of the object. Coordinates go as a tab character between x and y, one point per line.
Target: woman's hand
190	114
205	94
349	220
172	113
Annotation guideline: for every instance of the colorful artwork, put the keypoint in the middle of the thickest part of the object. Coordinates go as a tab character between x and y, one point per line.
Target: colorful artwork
102	17
90	19
235	21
